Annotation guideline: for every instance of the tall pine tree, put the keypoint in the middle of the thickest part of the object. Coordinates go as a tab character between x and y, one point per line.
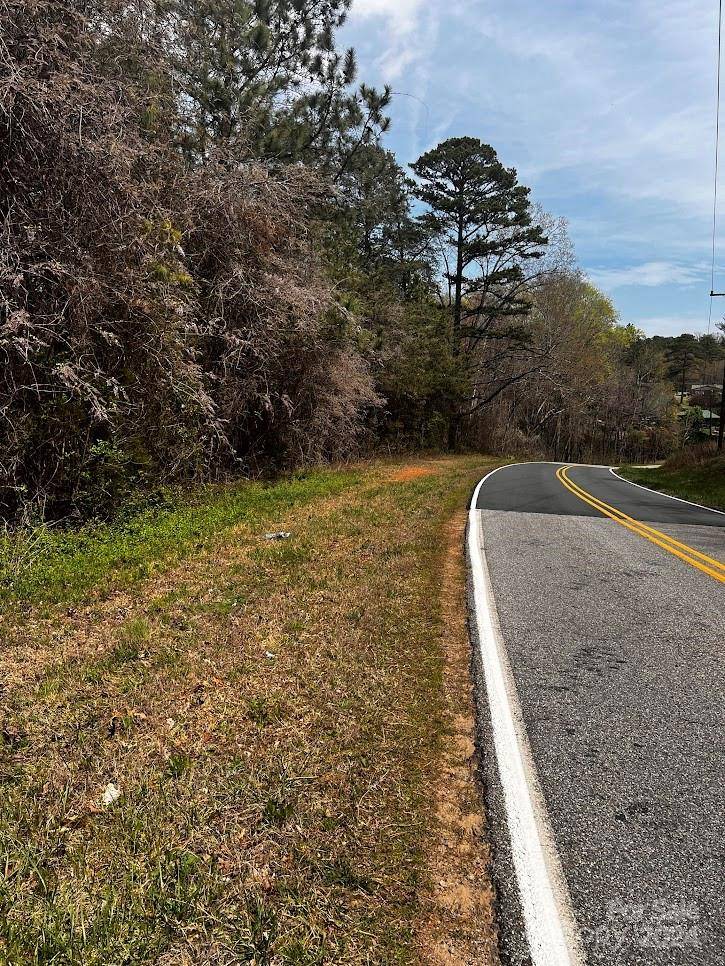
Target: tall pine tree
483	217
264	79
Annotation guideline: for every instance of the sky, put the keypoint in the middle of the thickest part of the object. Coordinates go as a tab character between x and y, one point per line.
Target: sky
605	107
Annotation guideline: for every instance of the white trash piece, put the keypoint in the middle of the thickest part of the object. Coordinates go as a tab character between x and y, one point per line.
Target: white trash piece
111	794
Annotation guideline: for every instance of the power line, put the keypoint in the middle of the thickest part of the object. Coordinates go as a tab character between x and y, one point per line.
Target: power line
424	104
717	162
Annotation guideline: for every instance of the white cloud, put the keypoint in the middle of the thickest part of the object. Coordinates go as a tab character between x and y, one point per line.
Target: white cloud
402	15
648	274
619	95
406	30
672	324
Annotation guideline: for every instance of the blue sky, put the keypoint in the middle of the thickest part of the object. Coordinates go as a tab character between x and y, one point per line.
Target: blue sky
605	107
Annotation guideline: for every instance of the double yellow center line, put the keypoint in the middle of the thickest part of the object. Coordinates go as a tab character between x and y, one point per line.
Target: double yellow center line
701	561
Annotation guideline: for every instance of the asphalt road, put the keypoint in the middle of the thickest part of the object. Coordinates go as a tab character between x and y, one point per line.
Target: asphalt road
615	647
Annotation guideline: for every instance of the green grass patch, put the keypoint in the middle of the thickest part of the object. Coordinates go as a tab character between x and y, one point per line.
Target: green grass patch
703	483
51	565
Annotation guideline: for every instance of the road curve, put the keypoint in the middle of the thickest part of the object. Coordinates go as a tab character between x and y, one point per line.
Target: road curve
599	618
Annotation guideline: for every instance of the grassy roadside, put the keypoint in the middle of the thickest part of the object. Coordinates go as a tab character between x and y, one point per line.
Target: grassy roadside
702	482
278	723
62	566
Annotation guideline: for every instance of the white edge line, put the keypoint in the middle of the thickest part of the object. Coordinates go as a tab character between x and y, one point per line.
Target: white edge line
551	930
679	499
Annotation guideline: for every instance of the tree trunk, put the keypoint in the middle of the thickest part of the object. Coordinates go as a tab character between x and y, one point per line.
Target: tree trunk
458	301
454	424
454	427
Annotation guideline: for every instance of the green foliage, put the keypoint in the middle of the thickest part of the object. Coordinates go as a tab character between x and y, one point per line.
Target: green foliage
266	80
419	377
383	260
482	220
691	358
108	478
483	216
600	393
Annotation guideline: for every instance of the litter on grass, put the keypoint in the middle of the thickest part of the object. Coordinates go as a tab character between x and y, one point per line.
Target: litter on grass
111	794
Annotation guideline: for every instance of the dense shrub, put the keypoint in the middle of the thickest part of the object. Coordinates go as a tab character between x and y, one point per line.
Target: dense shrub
157	321
701	454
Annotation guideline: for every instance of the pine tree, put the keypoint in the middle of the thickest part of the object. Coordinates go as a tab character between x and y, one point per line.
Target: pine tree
483	217
374	212
265	80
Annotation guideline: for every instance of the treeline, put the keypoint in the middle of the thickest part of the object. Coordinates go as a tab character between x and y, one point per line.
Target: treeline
692	359
211	264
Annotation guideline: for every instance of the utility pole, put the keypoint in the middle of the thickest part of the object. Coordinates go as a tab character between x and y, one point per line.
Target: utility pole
684	376
721	427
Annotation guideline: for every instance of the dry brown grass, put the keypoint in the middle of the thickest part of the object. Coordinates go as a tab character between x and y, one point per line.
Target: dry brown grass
408	473
459	929
286	723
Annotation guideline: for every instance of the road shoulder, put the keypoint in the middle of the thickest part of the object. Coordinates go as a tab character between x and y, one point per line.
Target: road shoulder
460	927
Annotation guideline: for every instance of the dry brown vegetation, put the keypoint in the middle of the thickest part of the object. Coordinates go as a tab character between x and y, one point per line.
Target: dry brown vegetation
287	724
460	927
158	320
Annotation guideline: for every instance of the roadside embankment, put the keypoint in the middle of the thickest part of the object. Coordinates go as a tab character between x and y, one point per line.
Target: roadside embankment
699	480
219	747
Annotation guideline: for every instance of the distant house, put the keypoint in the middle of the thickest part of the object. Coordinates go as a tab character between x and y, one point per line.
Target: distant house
712	420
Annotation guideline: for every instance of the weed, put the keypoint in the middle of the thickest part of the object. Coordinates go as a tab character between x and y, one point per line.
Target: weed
342	872
261	712
262	924
134	636
178	764
278	809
